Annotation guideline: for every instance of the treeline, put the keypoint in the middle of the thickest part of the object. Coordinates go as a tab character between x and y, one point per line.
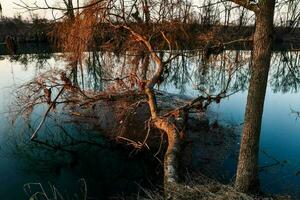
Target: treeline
186	35
23	31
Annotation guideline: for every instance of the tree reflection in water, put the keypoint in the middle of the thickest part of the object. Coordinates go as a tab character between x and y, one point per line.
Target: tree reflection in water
64	142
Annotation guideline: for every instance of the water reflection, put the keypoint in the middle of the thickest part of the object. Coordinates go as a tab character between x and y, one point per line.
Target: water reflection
40	60
66	151
285	74
190	69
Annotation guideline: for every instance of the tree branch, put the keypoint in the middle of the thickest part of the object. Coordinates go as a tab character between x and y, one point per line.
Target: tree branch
45	115
246	4
35	6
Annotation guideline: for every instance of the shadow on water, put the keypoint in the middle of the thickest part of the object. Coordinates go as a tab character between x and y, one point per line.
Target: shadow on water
69	149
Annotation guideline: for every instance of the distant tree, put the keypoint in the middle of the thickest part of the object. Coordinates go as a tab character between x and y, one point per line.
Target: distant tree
0	10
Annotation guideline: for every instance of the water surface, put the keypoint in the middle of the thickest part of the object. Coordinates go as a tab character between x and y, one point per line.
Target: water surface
109	170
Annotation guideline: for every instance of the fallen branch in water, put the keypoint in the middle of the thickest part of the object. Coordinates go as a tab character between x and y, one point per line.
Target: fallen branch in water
297	113
276	162
46	114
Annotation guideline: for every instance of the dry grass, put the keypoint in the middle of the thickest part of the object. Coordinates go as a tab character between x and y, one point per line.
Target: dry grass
201	188
204	188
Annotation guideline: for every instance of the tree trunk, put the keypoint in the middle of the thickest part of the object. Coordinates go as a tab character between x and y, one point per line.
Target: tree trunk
247	178
171	156
168	126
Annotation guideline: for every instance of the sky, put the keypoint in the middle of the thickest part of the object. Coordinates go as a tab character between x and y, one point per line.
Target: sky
9	9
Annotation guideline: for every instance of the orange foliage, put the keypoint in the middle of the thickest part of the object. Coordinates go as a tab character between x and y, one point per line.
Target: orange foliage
75	35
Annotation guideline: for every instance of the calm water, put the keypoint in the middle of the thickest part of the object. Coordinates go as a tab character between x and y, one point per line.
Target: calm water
116	172
280	136
108	169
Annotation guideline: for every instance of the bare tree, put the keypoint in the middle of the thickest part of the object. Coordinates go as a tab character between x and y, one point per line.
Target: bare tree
247	179
123	17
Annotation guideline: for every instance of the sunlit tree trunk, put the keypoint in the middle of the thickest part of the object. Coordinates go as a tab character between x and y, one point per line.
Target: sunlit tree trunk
247	179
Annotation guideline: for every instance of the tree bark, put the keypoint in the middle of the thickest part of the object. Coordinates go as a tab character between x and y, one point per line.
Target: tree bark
168	126
247	178
171	160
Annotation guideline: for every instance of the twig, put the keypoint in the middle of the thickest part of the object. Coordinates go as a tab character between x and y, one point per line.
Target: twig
276	161
45	115
148	133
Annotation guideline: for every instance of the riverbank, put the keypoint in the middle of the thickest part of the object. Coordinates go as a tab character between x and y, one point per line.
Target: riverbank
39	36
